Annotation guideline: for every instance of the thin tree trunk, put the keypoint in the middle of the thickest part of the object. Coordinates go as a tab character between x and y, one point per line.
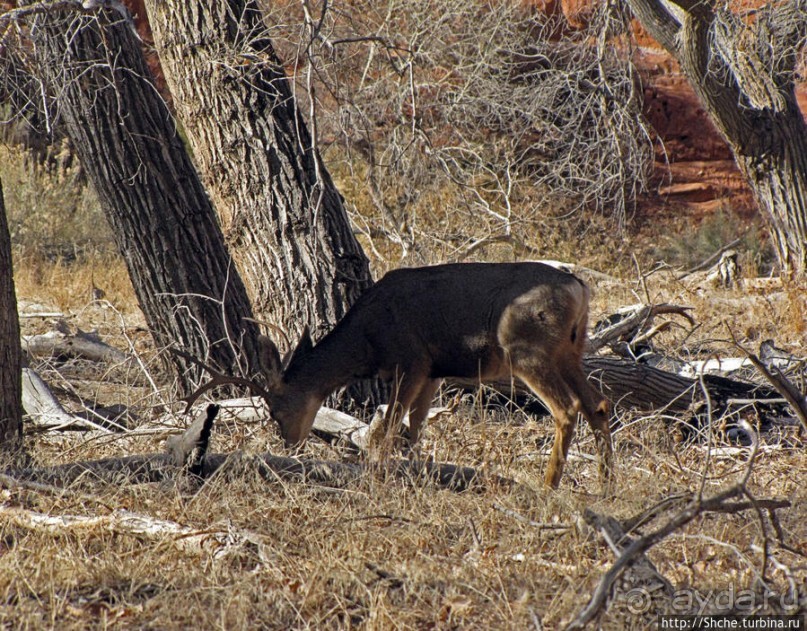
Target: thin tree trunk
281	213
10	351
164	224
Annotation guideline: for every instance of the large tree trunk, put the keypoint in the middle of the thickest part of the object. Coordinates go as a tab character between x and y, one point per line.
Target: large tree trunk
10	351
743	73
281	214
164	224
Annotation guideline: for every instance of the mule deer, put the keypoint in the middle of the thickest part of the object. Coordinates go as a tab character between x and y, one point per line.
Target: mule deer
472	320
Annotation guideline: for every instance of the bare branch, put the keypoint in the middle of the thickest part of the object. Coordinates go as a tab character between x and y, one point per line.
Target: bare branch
722	502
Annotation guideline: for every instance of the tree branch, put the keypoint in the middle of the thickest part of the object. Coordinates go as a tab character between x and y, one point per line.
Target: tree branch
722	502
659	22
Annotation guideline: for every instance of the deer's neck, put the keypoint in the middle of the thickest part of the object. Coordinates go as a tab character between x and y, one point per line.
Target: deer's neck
334	362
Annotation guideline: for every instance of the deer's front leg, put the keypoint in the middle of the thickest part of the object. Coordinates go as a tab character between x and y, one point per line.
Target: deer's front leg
385	433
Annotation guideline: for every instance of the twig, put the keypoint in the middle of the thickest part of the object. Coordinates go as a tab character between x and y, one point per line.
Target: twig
526	520
697	506
791	394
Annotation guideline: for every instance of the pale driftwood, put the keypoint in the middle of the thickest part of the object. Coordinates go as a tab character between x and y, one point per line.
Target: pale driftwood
216	544
341	427
332	423
773	358
44	410
724	366
141	469
61	343
41	314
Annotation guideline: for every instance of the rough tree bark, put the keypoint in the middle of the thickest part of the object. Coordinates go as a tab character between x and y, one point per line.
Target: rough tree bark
10	351
743	72
282	216
164	224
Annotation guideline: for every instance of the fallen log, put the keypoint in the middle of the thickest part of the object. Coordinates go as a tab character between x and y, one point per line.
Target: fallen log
636	386
644	387
44	411
640	386
60	343
158	467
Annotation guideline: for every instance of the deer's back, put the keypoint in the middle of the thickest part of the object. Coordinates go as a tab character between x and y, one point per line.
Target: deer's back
455	320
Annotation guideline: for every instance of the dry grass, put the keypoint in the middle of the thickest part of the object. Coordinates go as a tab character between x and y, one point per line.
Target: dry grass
384	554
381	553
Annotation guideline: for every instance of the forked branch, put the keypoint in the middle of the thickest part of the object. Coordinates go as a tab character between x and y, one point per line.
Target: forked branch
725	502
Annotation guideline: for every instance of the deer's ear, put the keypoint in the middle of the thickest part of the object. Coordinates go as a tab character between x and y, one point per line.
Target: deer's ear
270	359
303	346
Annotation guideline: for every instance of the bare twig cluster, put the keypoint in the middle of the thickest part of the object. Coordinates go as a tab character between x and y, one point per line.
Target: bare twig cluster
422	96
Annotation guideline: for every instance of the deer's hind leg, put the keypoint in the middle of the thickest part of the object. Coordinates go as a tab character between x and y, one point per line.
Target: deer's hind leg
564	405
597	412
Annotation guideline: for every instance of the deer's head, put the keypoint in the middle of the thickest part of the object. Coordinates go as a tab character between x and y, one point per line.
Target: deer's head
293	403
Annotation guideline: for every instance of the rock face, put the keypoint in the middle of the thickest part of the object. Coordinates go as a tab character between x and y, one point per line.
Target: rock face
694	166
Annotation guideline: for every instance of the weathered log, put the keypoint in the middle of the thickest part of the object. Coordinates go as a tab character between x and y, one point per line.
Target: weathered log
62	343
44	410
631	385
141	469
641	386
